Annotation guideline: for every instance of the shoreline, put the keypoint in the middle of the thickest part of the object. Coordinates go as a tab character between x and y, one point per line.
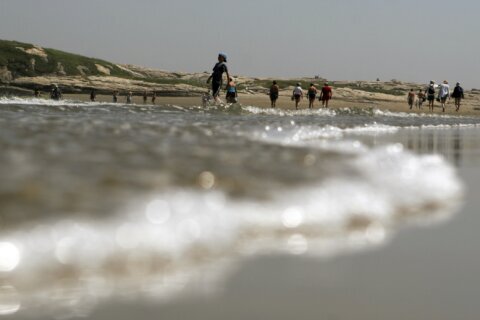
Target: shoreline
468	108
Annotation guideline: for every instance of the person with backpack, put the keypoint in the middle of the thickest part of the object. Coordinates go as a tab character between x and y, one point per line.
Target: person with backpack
458	96
430	92
217	75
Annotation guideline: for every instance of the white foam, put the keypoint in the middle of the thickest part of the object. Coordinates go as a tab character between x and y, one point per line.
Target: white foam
426	114
324	137
62	102
288	112
163	243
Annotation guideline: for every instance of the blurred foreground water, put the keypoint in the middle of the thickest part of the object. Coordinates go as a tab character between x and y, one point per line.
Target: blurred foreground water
108	202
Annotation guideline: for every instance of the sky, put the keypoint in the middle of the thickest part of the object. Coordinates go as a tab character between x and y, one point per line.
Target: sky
339	40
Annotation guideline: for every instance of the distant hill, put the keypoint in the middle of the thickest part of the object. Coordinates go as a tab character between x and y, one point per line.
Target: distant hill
24	67
28	60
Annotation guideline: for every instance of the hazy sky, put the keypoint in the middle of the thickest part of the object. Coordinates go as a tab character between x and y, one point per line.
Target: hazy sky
338	39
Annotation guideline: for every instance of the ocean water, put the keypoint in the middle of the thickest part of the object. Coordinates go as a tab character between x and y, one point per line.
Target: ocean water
107	202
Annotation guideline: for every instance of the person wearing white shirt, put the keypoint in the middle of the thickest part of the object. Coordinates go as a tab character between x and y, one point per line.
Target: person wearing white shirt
444	94
297	95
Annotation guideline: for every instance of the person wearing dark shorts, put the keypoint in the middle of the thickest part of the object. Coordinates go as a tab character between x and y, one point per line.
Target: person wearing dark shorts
232	96
274	89
411	98
458	96
312	94
217	75
430	92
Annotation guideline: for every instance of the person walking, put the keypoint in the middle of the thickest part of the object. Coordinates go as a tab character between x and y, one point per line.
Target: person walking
274	90
411	98
444	93
420	98
430	92
312	94
458	96
325	95
297	95
217	75
115	96
129	97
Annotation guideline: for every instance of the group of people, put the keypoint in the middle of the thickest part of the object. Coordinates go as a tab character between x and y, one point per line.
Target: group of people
129	96
56	94
433	92
297	94
216	79
440	93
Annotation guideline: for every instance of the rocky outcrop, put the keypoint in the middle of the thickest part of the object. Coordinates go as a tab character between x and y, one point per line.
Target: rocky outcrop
102	69
35	51
83	70
5	75
106	85
61	69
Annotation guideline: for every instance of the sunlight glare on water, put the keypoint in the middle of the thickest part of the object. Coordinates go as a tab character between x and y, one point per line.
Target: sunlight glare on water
9	256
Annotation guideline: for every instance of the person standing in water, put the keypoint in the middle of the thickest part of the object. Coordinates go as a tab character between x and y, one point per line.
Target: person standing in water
458	96
312	94
444	94
115	96
129	97
55	94
145	97
325	95
232	96
274	89
297	95
93	95
217	75
154	97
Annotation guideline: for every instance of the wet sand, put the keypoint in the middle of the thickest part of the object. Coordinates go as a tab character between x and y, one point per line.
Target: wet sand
469	107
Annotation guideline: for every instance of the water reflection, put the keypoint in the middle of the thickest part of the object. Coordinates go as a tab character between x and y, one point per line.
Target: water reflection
460	146
9	300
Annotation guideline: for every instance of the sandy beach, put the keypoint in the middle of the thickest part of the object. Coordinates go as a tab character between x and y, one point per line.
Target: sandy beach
470	106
